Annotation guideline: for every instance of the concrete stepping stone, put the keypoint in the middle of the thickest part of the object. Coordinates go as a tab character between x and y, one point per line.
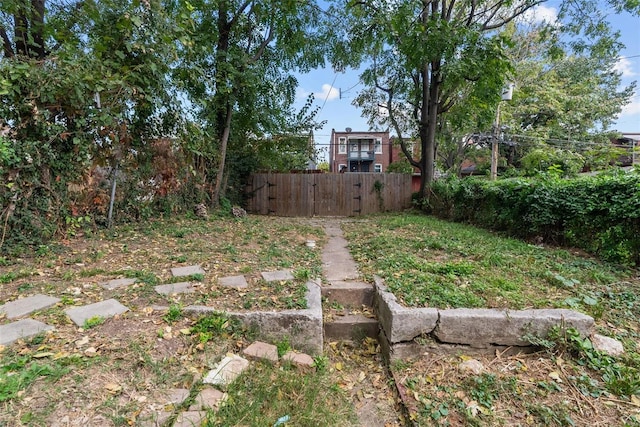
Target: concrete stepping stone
226	371
24	306
303	361
261	350
237	282
175	288
190	419
208	398
275	276
117	283
154	418
175	396
159	412
104	309
25	328
187	271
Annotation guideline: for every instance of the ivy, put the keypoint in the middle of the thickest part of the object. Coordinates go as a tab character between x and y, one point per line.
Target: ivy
599	214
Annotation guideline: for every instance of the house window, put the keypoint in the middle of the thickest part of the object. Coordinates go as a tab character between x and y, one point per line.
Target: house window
342	168
342	146
378	146
377	167
354	147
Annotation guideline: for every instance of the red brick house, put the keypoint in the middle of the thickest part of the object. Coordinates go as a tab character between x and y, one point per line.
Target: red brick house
629	142
352	151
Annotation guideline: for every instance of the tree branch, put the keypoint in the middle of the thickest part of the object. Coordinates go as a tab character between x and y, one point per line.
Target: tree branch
487	25
263	46
240	10
6	43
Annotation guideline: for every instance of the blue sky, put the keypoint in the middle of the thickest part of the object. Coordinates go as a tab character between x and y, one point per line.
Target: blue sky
334	92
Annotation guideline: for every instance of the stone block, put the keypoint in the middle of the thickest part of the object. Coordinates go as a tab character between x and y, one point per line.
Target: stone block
485	327
190	419
187	271
261	350
398	322
337	263
607	345
237	282
208	398
303	361
351	294
276	276
104	309
25	328
303	328
175	288
226	371
117	283
174	396
24	306
351	326
155	418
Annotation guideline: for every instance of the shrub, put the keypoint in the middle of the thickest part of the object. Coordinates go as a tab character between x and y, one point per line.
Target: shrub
599	214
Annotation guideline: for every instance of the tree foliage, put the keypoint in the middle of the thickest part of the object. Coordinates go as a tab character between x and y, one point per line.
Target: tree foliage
236	69
81	85
598	214
428	56
169	98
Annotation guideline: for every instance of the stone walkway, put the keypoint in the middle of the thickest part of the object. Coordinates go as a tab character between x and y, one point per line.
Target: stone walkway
80	315
339	270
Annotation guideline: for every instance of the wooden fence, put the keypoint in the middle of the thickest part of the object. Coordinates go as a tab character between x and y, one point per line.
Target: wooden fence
344	194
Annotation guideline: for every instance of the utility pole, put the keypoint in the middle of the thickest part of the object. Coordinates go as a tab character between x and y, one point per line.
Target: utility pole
494	145
507	94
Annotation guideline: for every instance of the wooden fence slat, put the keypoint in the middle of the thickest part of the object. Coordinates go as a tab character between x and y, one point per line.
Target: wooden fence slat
345	194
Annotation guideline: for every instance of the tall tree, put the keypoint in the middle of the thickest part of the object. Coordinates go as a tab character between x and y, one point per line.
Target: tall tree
23	29
55	59
565	97
563	94
238	66
424	52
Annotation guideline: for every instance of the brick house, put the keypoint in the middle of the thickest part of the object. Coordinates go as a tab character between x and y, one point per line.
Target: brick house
352	151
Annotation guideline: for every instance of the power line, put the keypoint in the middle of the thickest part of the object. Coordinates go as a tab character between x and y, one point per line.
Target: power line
328	93
629	57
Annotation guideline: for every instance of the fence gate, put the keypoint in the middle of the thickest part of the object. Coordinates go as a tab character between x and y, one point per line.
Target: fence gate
345	194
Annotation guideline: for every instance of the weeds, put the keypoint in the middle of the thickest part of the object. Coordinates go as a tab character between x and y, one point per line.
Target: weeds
216	325
173	314
268	393
92	322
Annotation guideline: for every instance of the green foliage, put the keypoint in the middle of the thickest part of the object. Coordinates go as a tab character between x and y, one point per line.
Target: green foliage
216	325
92	322
321	363
598	214
57	134
401	166
146	277
173	314
268	393
556	163
283	346
19	374
620	378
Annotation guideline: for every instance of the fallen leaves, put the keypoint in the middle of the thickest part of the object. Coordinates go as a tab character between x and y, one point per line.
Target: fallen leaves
113	388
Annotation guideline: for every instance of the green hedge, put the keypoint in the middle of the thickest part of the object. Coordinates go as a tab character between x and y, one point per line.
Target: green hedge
599	214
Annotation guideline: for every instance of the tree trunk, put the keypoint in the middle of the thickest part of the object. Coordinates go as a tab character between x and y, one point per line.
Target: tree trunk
224	140
36	47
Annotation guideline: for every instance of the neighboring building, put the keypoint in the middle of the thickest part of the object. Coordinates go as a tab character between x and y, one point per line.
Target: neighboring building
631	142
351	151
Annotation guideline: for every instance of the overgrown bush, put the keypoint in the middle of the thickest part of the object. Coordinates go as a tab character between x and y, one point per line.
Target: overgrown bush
599	214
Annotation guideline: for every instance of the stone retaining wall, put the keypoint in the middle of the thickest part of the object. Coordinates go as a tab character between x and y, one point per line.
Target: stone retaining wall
302	328
476	328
